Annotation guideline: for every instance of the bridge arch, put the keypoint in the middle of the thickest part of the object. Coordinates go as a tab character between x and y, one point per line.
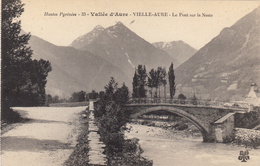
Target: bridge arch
204	130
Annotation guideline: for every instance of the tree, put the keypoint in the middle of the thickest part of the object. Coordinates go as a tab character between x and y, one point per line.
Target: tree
194	100
164	81
139	82
111	124
152	80
49	100
78	96
182	97
15	53
56	99
156	82
105	98
122	95
92	95
41	69
24	79
161	74
141	70
171	77
111	87
135	85
110	116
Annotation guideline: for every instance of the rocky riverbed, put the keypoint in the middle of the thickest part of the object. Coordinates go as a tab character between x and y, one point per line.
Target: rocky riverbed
188	129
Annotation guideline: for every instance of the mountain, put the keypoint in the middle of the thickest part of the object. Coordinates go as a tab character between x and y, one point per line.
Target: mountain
225	67
73	70
87	38
123	48
177	49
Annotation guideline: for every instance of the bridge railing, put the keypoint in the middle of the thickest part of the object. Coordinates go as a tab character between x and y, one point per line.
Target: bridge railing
187	102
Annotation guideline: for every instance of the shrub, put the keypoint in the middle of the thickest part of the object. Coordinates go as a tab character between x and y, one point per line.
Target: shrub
10	116
182	97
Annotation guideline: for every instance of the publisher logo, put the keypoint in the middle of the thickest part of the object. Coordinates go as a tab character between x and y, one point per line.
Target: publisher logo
243	156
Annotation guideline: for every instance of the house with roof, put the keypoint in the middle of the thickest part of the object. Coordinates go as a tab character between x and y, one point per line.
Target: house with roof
253	97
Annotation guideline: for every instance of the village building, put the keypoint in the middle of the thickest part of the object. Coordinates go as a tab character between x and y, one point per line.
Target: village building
253	97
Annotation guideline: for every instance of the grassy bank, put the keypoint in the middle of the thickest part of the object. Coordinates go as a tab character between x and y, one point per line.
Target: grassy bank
121	151
130	156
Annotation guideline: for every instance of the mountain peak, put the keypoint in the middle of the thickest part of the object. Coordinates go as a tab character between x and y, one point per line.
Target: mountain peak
119	23
99	27
177	49
119	30
87	38
180	41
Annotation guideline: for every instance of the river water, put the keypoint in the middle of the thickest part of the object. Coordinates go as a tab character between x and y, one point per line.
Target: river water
174	148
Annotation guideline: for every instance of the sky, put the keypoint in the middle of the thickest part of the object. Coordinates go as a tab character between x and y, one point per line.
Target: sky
193	29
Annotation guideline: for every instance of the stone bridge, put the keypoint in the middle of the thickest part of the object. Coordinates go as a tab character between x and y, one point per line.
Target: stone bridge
216	123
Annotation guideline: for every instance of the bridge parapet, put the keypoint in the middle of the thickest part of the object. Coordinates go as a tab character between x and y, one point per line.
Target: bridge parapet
190	102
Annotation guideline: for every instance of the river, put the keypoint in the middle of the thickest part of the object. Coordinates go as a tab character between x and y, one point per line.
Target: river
174	148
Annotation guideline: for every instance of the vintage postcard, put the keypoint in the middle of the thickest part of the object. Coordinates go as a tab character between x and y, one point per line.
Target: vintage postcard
141	82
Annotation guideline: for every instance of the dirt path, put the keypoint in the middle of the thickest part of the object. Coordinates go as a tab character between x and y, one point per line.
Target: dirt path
46	140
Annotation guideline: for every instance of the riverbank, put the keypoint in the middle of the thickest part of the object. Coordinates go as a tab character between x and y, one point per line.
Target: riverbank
186	128
131	155
249	138
80	154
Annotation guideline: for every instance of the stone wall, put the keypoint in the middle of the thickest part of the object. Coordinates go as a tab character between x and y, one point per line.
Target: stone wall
223	128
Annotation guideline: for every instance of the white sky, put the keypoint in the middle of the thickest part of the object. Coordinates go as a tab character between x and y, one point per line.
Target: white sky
196	31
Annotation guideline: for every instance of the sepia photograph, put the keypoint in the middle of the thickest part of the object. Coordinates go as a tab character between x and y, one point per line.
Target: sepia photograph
130	83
